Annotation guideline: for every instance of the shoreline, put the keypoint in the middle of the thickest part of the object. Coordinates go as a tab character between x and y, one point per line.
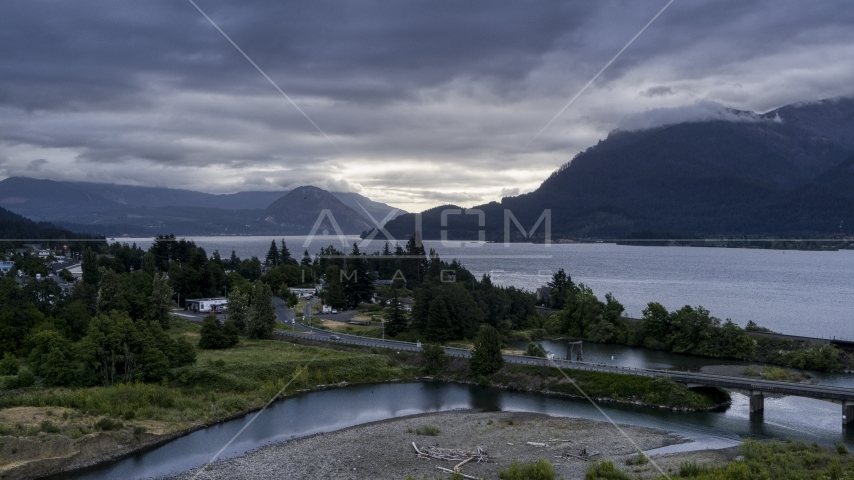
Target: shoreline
97	461
383	449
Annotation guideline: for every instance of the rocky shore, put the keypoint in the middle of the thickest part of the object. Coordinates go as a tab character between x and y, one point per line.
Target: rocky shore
383	450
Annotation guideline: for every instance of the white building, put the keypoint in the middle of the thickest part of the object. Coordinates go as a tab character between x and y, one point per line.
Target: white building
205	305
6	266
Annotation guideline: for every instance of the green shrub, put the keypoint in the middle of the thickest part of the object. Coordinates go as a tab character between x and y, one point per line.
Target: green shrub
486	358
605	470
216	335
534	470
25	378
690	469
789	460
639	459
108	424
535	350
435	358
428	430
835	470
9	365
48	427
841	448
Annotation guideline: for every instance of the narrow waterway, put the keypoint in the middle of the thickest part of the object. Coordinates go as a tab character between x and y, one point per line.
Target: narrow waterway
329	410
622	356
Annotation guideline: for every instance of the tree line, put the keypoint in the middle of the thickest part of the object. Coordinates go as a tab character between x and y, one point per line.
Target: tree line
113	326
687	330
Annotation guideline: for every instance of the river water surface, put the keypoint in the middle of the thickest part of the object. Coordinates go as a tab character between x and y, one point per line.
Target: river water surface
799	293
330	410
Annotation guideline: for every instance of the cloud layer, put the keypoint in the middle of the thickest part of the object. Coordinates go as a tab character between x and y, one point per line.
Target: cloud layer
430	102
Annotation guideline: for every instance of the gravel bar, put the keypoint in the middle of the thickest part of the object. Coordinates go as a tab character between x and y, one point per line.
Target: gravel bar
383	450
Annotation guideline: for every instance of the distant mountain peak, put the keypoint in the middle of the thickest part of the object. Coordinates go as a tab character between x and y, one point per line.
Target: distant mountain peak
301	208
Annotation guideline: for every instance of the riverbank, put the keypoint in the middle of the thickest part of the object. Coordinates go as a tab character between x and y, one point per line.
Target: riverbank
602	386
44	431
56	430
383	450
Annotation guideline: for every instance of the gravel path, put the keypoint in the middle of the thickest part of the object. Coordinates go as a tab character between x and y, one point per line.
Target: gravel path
383	450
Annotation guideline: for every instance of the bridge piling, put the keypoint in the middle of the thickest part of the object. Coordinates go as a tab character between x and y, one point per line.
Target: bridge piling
757	402
848	413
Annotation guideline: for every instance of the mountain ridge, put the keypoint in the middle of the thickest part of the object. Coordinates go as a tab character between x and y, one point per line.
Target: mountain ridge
706	178
113	210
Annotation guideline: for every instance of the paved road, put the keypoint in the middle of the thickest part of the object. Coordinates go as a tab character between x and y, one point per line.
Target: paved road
306	309
822	392
283	312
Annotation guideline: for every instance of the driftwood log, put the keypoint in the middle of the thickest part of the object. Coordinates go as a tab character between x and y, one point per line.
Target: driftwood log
452	454
448	470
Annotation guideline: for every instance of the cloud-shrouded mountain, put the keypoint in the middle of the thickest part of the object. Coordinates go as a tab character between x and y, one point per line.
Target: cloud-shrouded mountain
121	209
786	172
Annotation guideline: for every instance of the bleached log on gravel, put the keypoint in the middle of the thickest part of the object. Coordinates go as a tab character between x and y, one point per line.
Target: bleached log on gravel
448	470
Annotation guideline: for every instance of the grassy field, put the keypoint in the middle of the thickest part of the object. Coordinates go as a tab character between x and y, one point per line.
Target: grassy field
627	388
361	330
220	384
228	382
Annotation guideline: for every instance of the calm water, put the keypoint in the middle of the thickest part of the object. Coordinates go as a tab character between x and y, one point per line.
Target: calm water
324	411
793	292
623	356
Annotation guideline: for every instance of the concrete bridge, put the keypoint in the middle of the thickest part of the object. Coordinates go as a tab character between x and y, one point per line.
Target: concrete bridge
756	390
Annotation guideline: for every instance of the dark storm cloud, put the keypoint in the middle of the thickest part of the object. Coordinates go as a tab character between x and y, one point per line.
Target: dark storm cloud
105	53
435	97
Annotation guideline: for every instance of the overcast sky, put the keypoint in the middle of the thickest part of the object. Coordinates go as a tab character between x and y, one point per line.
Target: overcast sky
428	102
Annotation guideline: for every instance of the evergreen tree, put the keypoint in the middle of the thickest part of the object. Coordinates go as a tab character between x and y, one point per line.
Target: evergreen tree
148	265
285	255
486	358
359	284
333	291
109	292
90	267
414	267
272	255
238	309
396	317
261	317
387	265
439	325
306	260
560	285
250	269
234	262
160	301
